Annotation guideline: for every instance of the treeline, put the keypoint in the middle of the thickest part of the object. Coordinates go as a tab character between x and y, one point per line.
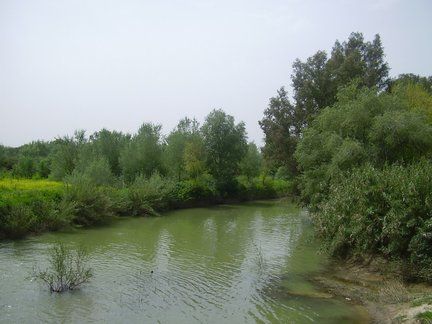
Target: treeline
358	146
110	173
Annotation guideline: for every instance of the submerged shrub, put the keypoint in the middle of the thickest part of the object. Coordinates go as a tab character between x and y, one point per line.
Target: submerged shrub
67	269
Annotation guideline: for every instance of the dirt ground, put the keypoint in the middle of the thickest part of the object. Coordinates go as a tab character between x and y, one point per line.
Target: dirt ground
386	298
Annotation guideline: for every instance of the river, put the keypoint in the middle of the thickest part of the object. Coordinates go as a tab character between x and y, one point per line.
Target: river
240	263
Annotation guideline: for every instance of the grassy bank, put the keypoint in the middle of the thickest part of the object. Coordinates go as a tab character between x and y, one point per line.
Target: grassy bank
35	206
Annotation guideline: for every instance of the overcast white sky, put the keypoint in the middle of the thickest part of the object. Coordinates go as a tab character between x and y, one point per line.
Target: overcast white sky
89	64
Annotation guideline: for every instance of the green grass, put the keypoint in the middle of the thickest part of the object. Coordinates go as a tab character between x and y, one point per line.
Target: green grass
28	206
422	300
25	191
29	184
425	317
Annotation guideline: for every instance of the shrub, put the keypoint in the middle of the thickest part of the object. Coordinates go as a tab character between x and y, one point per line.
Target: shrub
363	127
147	195
67	269
92	204
30	206
97	171
388	211
202	188
16	221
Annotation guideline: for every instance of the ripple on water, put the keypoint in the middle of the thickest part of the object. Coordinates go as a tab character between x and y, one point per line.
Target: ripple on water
215	265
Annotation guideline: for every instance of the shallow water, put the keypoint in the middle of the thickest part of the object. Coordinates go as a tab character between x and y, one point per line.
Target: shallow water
226	264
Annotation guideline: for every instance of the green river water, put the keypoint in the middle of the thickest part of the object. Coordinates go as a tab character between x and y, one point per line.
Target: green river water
242	263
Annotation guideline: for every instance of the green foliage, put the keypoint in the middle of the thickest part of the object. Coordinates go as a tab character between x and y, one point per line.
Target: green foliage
194	158
425	317
225	146
315	84
143	154
411	79
282	127
109	145
97	172
111	174
65	155
362	126
381	211
92	204
418	97
198	189
400	136
24	168
250	165
149	194
260	188
16	221
31	206
185	135
67	269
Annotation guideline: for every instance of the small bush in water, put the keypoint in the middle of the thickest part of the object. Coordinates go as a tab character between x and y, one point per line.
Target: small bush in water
67	269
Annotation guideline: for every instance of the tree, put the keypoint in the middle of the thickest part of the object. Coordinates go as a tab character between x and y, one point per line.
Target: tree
32	160
194	158
65	155
282	127
415	91
357	59
25	167
364	126
225	146
316	81
315	85
143	154
313	88
8	157
109	145
95	170
410	78
186	131
250	165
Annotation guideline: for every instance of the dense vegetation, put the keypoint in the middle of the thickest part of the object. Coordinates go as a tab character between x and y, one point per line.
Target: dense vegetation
85	181
358	145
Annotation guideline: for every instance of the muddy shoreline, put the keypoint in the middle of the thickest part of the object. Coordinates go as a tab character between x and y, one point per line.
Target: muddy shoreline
378	290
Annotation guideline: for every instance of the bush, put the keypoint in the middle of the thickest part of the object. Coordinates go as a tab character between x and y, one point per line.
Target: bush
202	188
388	212
261	188
16	221
91	204
67	270
30	206
97	172
363	127
148	195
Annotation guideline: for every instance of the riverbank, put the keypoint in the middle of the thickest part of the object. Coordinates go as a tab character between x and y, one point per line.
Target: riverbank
377	287
36	206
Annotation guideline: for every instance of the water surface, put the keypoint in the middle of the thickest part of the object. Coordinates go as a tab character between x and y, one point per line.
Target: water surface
227	264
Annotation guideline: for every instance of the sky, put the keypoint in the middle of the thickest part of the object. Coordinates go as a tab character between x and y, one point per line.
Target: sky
93	64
